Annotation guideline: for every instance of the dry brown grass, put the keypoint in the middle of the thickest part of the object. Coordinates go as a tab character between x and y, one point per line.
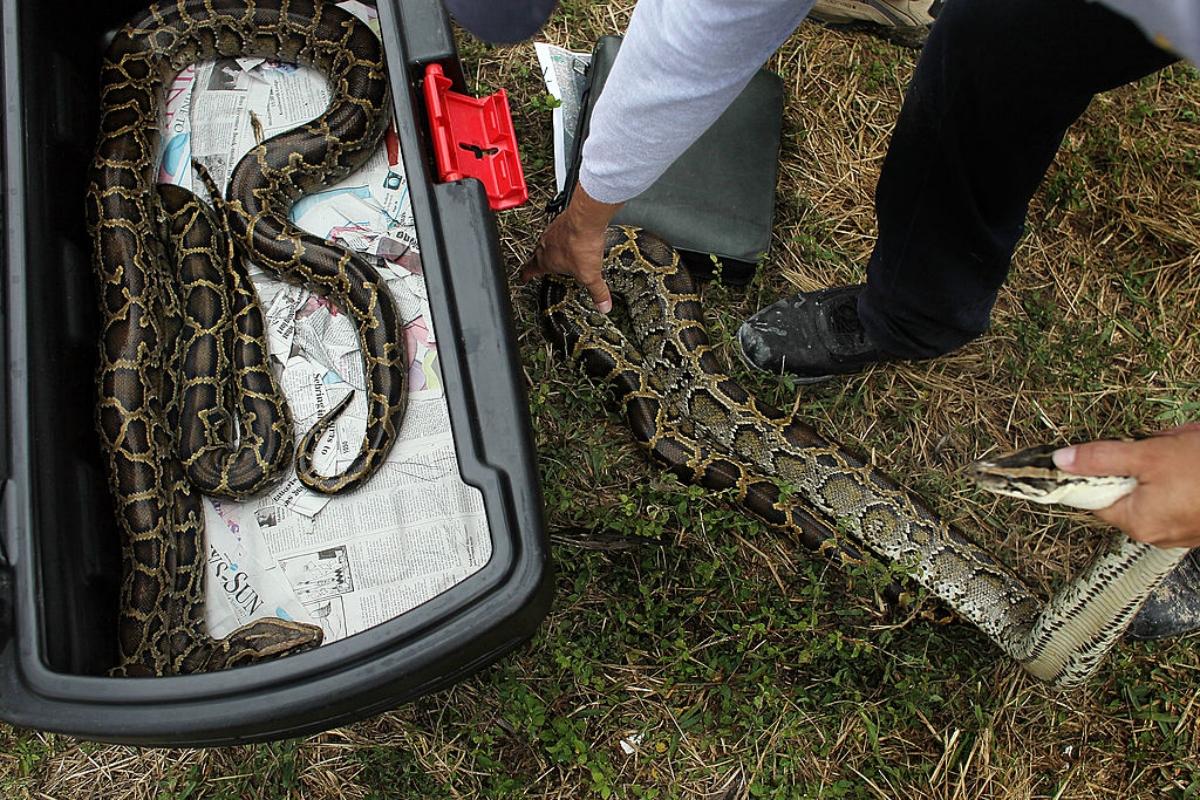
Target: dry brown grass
1093	336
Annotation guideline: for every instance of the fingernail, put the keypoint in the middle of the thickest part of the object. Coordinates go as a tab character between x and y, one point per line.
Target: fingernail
1064	458
604	306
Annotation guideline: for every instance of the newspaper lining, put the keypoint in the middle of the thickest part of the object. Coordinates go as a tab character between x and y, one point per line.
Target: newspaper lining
414	530
565	74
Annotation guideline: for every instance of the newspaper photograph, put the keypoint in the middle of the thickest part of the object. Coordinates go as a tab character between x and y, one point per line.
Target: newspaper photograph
565	74
414	530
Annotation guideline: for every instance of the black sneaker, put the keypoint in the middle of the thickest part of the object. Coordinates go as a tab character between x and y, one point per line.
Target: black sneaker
1173	609
812	336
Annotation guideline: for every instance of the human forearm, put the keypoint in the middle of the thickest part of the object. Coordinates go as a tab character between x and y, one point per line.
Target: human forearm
681	64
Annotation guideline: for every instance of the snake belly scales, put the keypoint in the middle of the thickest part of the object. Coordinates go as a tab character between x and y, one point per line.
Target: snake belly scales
709	430
166	408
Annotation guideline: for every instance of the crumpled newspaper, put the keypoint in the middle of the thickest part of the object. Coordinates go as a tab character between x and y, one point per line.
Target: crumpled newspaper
217	111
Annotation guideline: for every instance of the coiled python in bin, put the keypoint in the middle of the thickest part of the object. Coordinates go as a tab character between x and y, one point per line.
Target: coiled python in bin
707	429
159	512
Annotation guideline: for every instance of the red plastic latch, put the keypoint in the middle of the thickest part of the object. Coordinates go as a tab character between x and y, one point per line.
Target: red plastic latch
474	138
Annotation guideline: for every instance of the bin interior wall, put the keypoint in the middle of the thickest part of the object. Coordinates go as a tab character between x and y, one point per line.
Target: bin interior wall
74	528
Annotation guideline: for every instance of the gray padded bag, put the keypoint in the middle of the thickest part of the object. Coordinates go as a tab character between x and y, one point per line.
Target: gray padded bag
718	198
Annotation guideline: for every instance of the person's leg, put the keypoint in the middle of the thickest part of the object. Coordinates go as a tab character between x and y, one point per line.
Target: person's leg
995	89
996	86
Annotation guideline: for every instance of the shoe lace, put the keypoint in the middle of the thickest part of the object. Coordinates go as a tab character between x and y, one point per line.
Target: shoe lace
844	322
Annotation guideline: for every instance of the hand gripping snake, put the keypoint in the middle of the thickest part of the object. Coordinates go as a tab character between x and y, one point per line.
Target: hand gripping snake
149	325
709	430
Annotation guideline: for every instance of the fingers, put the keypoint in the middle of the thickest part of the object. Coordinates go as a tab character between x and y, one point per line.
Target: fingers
1102	458
1157	520
1119	515
564	249
1117	458
535	266
598	289
1164	509
531	269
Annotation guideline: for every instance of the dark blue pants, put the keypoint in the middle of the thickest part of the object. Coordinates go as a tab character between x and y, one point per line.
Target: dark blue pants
997	85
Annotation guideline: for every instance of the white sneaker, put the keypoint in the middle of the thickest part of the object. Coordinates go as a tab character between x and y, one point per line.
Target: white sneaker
905	22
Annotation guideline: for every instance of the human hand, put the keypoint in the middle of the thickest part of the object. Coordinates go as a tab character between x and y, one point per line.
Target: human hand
1164	509
573	244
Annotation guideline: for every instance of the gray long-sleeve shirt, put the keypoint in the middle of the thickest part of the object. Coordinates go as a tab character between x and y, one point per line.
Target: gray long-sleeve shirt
684	61
681	64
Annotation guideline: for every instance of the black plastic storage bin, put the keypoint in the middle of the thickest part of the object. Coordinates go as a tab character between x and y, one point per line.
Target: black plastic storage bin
60	568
